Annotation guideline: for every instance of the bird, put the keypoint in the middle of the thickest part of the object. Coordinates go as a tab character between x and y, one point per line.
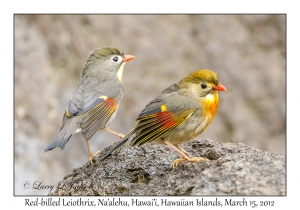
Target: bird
96	99
179	114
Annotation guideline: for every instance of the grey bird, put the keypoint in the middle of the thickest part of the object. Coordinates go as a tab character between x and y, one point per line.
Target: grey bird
96	99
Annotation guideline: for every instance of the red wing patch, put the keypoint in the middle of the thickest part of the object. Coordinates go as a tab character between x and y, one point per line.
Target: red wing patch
165	119
110	104
98	117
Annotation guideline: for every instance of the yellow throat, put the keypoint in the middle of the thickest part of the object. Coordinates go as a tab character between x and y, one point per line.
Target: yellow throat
120	72
211	103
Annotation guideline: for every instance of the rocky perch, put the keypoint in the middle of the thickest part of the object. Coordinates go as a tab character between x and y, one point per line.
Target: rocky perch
234	169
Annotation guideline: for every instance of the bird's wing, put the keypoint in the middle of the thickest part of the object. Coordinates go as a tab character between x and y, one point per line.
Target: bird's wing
98	117
89	92
160	116
94	107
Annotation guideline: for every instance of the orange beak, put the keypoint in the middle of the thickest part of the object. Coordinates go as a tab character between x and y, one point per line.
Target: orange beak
220	87
128	57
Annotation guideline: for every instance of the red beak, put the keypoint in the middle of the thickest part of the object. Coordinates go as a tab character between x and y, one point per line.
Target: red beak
128	57
220	87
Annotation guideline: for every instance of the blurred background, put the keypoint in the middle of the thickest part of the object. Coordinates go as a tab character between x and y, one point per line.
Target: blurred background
247	51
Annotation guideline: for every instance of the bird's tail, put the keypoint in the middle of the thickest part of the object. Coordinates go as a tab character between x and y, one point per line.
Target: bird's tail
120	143
64	135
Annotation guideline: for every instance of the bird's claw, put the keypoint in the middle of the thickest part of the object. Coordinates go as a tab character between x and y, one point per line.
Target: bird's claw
193	160
92	157
175	162
97	153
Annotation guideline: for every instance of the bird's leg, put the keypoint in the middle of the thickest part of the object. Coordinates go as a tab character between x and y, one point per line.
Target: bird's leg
114	132
175	162
185	156
182	150
89	151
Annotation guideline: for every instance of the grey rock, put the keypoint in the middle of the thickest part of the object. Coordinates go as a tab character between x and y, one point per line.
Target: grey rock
234	169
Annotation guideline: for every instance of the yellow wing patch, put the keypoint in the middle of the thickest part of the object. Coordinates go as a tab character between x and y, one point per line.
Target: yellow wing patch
163	108
104	97
67	112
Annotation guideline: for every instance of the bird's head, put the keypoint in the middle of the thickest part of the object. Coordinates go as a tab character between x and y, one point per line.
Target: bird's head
203	83
109	60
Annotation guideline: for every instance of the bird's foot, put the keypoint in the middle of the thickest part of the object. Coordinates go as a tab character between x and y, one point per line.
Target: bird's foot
121	135
97	153
92	157
193	160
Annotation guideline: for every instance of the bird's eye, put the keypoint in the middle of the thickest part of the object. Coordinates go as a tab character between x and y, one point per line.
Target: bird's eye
203	85
115	59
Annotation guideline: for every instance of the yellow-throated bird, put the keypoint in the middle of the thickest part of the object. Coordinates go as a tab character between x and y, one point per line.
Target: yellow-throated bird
96	99
179	114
